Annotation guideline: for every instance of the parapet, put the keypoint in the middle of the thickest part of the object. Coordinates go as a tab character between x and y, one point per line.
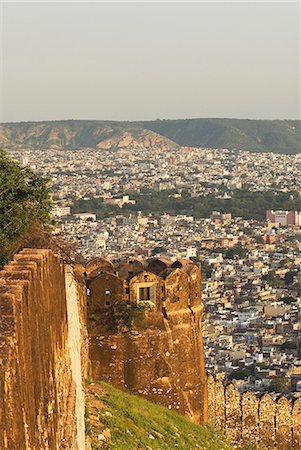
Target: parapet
157	282
266	420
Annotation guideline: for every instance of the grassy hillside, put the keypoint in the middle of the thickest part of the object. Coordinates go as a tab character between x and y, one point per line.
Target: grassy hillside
117	420
255	135
282	136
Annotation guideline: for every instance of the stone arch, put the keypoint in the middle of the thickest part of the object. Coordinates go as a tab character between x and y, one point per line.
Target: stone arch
180	263
98	265
129	267
146	280
157	265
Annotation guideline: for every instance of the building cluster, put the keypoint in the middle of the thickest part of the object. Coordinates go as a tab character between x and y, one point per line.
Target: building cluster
108	173
251	271
285	218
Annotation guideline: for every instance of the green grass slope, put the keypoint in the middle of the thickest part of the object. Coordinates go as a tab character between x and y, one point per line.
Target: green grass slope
118	420
282	136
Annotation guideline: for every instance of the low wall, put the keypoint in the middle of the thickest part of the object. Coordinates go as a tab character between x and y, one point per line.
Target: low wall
41	354
271	422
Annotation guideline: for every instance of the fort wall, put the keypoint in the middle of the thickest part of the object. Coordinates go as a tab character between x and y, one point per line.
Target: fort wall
268	421
163	362
159	354
43	353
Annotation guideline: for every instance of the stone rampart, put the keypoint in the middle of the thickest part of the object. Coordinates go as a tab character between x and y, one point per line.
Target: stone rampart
159	354
268	421
42	356
162	361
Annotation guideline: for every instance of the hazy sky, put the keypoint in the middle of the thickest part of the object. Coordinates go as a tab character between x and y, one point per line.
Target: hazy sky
129	61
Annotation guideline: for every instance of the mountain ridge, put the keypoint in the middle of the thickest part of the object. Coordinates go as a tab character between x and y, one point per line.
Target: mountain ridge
282	136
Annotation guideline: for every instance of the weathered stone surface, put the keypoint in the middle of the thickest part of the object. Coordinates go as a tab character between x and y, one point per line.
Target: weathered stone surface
162	356
211	399
38	358
253	420
267	410
233	413
250	417
162	364
284	424
296	424
220	406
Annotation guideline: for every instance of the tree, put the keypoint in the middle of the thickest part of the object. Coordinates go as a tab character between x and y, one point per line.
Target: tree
289	299
158	250
24	203
272	279
237	250
289	277
242	373
278	384
206	269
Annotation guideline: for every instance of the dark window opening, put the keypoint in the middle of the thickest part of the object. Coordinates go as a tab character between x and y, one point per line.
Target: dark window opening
144	294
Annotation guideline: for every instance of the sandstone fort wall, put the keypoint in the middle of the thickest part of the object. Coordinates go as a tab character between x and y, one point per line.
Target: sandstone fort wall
269	421
42	356
161	356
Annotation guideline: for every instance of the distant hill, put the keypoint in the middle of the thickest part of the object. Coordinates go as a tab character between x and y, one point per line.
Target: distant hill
75	134
282	136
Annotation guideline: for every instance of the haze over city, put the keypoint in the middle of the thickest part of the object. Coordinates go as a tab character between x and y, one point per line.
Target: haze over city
140	61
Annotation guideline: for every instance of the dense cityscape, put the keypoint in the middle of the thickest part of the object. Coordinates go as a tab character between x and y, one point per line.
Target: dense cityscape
150	226
250	267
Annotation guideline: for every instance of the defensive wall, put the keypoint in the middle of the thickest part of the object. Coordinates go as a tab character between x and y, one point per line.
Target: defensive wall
161	356
268	421
43	353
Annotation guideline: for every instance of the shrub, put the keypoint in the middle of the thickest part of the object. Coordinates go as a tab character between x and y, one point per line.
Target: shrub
24	203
